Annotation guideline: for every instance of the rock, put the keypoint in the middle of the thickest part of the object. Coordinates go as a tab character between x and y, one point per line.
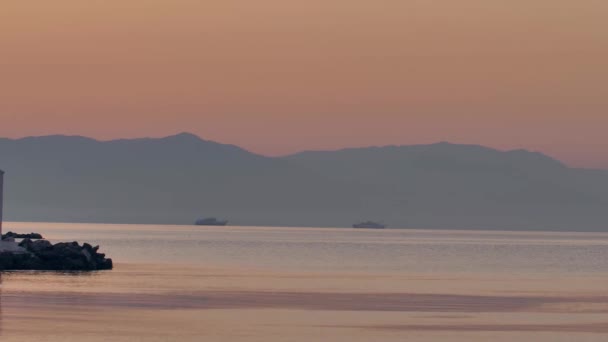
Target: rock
40	245
6	260
20	261
106	264
35	236
63	256
26	243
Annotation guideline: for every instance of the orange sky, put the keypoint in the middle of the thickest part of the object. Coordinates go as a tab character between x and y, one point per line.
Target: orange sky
277	76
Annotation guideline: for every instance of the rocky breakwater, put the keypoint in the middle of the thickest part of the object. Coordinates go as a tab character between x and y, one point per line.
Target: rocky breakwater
43	255
34	236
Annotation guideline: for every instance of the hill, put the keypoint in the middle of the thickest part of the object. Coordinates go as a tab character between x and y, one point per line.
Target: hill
179	178
468	186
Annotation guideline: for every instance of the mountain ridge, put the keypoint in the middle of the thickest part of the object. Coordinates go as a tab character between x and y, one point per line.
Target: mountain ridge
187	136
176	179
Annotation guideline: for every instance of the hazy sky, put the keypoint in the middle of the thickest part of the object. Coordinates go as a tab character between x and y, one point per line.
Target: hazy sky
277	76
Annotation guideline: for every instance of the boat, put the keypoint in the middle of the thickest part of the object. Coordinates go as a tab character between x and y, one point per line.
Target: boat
210	221
370	225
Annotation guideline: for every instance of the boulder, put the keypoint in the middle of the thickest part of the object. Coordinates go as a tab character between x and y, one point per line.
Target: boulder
63	256
35	236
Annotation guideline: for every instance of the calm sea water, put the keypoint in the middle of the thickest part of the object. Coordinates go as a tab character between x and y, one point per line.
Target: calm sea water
180	283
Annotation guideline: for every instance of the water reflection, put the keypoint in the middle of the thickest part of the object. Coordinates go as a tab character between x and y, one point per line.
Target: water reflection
232	284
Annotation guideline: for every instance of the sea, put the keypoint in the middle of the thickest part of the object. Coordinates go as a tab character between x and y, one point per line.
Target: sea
193	283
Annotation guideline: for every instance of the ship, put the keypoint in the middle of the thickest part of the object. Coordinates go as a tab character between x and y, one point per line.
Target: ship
370	225
210	221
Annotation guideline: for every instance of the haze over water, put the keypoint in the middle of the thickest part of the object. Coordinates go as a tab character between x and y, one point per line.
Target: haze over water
181	283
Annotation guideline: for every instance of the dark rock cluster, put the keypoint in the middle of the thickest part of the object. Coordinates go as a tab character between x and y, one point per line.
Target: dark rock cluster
34	236
64	256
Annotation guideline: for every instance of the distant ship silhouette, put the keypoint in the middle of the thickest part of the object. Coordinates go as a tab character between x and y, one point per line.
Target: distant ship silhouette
369	224
210	221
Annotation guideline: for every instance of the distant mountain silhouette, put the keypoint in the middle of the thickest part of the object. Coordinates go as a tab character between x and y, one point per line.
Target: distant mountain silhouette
180	178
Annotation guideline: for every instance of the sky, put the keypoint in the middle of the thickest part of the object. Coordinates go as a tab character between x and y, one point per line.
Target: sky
280	76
